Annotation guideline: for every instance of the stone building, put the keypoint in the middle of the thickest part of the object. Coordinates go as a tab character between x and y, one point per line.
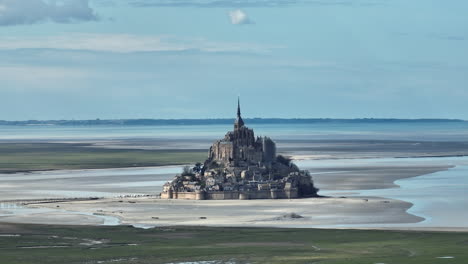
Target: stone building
240	147
242	166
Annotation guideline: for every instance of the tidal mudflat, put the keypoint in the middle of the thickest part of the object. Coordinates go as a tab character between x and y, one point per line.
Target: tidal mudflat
346	181
372	166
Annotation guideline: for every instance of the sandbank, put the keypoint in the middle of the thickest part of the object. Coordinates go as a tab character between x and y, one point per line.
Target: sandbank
310	212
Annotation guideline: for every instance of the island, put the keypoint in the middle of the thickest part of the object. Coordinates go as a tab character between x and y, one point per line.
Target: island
241	166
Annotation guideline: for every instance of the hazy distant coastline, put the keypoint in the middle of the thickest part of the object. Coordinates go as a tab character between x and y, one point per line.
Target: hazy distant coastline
221	121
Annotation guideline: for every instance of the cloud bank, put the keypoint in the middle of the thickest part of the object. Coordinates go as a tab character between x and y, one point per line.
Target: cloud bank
249	3
126	43
239	17
19	12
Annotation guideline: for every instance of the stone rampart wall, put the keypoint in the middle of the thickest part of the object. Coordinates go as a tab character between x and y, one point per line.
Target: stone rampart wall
226	195
234	195
184	195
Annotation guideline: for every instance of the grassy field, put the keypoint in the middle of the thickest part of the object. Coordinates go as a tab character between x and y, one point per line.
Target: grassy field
47	156
71	244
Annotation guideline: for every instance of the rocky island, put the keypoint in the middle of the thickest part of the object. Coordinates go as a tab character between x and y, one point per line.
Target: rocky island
241	166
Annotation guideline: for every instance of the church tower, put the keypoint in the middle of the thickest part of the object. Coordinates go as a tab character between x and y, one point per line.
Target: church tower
239	122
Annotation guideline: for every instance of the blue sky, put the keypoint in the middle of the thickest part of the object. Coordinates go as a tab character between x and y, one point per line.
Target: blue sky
79	59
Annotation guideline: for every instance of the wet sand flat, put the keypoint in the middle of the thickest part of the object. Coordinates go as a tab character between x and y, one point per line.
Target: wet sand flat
343	173
368	177
339	175
310	212
314	212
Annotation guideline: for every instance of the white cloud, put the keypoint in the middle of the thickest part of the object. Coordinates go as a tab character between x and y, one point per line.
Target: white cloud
17	12
125	43
251	3
239	17
50	77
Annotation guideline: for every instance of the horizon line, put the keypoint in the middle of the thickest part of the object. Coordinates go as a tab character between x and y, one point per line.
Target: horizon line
231	118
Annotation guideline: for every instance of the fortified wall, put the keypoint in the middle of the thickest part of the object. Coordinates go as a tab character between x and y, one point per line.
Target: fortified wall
230	195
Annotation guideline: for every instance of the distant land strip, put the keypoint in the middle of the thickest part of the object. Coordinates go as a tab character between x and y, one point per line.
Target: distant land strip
220	121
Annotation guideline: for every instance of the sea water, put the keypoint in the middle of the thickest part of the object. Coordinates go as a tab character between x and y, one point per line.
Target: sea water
441	198
439	131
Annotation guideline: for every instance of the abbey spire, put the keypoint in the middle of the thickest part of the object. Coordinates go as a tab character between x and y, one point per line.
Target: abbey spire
239	122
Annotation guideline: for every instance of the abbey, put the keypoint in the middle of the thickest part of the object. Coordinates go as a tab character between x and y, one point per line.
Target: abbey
240	148
241	166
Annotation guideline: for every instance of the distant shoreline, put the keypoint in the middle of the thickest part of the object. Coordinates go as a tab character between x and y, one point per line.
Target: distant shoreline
219	121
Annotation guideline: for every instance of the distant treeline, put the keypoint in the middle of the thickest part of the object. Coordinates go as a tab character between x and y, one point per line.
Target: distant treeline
156	122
